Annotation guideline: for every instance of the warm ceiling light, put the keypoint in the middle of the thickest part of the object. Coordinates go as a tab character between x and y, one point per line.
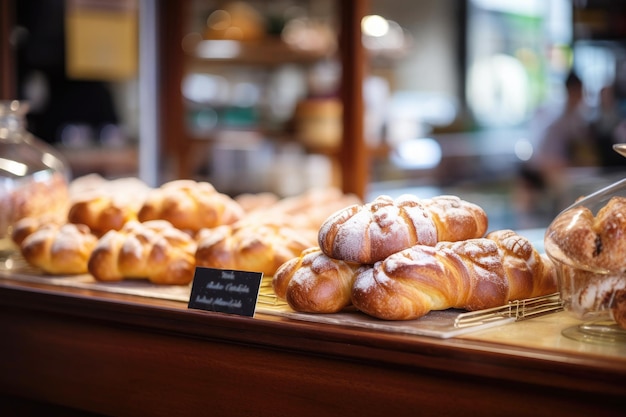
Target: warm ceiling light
374	25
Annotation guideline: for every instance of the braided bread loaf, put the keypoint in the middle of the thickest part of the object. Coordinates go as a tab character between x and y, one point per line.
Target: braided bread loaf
258	247
153	250
369	233
472	274
315	283
59	249
190	205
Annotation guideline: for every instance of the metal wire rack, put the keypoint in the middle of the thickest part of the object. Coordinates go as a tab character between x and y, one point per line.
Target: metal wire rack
519	310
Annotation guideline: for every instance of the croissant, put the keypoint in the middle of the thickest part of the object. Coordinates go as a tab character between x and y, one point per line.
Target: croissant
472	274
315	283
369	233
153	250
59	249
257	247
190	205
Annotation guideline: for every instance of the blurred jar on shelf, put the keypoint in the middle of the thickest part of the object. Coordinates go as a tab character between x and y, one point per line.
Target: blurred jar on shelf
318	123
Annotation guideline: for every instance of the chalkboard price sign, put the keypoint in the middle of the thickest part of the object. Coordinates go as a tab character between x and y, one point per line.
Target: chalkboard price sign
225	291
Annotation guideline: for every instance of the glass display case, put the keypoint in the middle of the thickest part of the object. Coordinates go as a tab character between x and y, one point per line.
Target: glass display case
33	176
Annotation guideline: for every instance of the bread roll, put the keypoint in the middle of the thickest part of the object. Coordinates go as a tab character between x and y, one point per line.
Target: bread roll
471	274
306	211
315	283
105	205
593	242
34	198
256	247
456	219
101	214
59	249
152	250
311	208
251	202
190	205
369	233
29	225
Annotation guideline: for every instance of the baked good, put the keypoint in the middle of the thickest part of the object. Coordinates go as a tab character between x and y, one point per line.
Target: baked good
246	246
153	250
315	283
59	249
589	251
29	225
456	219
86	183
593	242
33	197
100	213
593	293
251	202
471	274
304	211
190	205
312	208
530	274
618	309
105	205
369	233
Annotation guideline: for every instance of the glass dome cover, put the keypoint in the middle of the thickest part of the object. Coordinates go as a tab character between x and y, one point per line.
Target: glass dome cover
587	243
34	176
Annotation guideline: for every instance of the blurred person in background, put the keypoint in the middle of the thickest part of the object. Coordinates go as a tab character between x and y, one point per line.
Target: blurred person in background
607	129
565	142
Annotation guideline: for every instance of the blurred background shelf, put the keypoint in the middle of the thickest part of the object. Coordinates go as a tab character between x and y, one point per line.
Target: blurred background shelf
448	96
108	162
264	52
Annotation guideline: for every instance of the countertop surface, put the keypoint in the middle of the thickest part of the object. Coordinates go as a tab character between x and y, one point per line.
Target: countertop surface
123	354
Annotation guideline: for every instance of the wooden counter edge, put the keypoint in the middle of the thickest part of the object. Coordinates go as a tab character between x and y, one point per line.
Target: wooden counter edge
586	373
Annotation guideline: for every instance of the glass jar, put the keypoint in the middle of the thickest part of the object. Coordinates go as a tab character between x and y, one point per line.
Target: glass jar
34	176
587	243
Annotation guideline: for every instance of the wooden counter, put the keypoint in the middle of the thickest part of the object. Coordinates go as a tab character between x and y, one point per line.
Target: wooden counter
77	352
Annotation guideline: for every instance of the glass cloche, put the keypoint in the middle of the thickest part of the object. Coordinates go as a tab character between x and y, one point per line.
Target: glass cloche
587	243
34	176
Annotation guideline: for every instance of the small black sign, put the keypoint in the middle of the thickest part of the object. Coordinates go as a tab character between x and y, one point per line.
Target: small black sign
225	291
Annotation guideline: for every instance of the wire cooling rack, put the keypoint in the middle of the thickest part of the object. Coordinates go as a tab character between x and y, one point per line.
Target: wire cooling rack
518	310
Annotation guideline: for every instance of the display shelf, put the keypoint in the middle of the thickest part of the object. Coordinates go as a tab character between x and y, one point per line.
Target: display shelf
178	147
106	161
268	52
